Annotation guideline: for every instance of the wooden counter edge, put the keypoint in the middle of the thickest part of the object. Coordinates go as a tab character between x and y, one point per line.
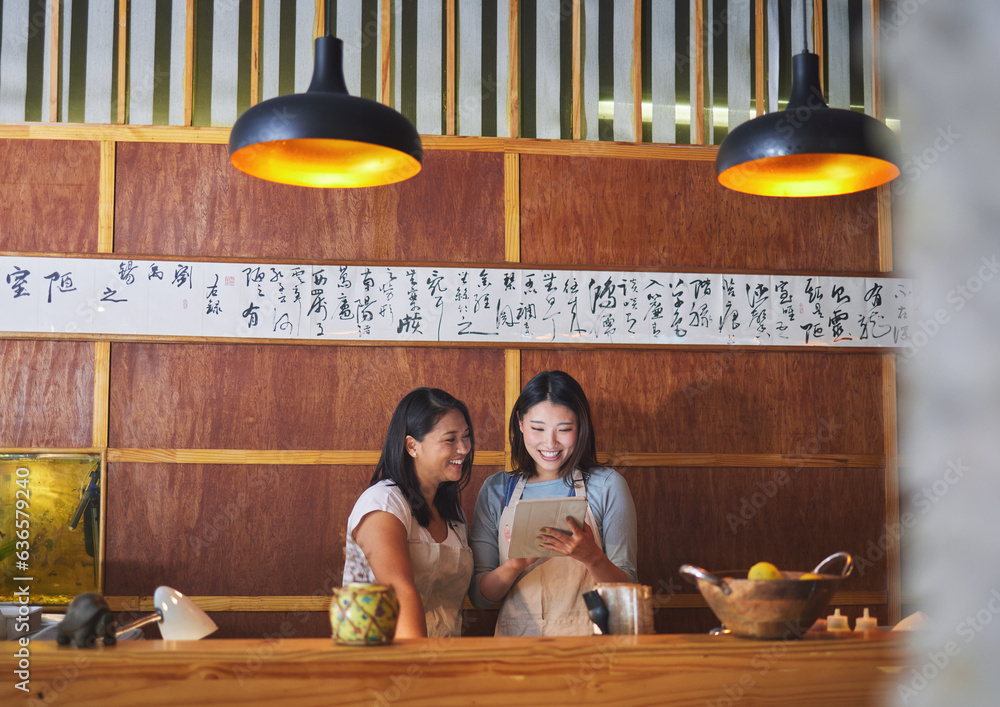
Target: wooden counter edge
858	668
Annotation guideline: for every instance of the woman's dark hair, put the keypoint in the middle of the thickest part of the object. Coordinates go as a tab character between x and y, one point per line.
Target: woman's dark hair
416	415
557	388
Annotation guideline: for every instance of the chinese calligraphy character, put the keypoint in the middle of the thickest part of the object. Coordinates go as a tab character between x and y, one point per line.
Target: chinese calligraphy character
18	282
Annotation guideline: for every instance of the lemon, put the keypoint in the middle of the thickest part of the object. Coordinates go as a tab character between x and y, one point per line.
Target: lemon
764	570
811	575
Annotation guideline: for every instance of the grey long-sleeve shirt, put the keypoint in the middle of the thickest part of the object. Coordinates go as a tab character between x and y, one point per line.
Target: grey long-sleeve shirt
610	503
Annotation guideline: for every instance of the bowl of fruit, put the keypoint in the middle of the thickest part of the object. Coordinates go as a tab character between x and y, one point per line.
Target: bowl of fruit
768	603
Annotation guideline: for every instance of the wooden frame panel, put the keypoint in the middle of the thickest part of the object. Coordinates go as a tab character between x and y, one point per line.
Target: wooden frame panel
187	200
725	519
49	196
174	194
645	213
288	397
286	624
228	530
241	531
726	402
46	393
201	135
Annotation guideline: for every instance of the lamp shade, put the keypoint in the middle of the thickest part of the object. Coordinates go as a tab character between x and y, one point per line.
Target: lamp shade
181	619
808	149
325	137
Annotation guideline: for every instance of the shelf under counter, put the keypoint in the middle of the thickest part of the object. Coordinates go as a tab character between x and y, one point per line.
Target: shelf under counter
820	669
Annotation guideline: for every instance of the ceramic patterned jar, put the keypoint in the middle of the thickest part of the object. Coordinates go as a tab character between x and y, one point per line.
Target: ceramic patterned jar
364	614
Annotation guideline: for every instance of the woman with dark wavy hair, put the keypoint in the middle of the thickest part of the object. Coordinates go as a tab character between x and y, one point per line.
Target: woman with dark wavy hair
553	454
407	529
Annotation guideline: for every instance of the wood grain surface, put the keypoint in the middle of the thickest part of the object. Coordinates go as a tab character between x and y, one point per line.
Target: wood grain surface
269	625
230	525
257	456
730	519
49	195
821	670
673	214
747	401
241	530
46	393
204	135
233	530
187	200
321	602
288	397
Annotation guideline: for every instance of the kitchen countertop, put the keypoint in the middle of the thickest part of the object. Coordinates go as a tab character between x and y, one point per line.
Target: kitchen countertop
820	669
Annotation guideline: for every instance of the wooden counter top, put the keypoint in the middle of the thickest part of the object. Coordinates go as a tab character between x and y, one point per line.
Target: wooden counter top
637	670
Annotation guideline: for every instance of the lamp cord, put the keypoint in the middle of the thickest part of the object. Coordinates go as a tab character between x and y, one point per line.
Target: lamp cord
805	25
327	20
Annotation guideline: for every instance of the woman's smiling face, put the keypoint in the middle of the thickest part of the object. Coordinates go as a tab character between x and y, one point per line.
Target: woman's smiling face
439	456
549	432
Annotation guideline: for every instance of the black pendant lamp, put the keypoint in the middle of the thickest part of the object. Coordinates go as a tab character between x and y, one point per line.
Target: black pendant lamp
325	137
808	149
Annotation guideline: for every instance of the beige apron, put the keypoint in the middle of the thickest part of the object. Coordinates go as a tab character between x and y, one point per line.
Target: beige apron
441	574
545	600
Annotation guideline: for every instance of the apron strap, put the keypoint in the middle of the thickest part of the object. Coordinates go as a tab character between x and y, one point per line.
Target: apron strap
513	479
509	491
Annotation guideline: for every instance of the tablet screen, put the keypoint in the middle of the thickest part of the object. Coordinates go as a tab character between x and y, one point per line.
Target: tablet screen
531	515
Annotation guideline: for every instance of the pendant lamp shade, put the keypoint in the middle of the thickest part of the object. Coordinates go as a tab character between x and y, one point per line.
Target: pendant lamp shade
325	137
807	149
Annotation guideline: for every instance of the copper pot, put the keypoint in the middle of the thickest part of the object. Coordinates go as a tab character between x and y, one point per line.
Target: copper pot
769	608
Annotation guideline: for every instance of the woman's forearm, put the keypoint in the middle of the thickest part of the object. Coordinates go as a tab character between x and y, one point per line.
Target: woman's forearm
495	584
411	622
604	570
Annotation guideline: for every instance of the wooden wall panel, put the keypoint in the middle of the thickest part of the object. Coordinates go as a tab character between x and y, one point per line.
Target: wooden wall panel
723	519
248	530
49	195
187	200
479	623
46	393
673	214
471	492
233	530
267	625
684	620
725	401
228	530
288	397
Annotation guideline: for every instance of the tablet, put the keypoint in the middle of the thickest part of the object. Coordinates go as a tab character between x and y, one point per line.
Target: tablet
531	515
